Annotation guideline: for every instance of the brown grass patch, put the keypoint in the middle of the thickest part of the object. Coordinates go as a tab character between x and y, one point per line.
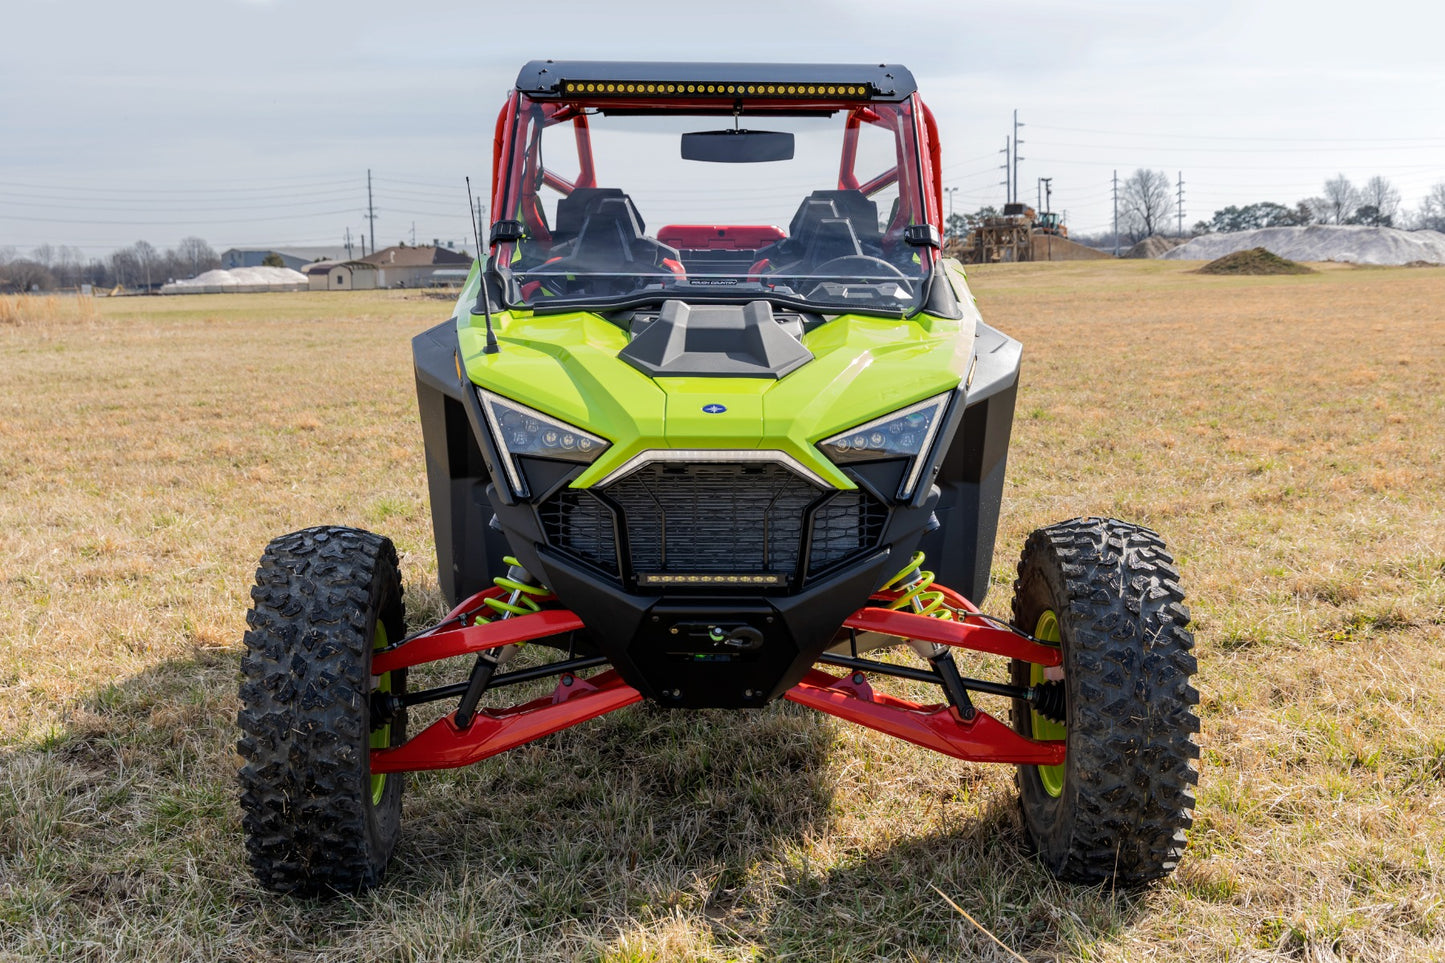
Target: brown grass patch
21	309
147	458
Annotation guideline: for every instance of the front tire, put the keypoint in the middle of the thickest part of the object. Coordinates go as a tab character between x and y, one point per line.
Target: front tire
1108	593
316	819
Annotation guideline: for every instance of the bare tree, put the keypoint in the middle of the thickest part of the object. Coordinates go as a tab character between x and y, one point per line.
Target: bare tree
148	259
1338	203
1147	201
23	274
1380	194
195	255
125	267
1432	209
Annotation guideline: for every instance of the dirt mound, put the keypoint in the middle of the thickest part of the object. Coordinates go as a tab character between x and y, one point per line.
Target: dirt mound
1047	247
1256	260
1154	246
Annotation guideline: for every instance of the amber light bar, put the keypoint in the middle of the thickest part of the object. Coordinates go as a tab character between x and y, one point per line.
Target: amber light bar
647	579
635	88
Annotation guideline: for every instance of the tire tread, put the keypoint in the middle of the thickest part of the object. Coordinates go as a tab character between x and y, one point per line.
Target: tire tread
305	690
1132	714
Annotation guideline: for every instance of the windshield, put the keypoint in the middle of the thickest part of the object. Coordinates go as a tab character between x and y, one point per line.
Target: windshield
808	210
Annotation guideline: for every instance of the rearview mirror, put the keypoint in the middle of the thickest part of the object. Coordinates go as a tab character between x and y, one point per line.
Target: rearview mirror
737	146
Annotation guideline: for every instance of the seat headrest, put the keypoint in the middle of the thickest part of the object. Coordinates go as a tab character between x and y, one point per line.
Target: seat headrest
853	205
574	209
810	211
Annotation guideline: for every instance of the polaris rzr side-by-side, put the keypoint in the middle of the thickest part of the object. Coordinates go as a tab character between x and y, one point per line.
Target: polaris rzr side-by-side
710	398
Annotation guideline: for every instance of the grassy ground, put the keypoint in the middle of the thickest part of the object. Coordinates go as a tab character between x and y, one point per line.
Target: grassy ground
1285	434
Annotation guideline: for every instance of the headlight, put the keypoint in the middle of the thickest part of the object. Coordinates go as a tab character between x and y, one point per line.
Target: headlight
908	433
519	430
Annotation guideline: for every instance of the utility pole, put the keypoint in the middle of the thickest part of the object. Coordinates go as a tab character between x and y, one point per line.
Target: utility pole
370	211
1007	181
1048	183
948	224
1017	158
413	233
1116	213
348	242
1179	205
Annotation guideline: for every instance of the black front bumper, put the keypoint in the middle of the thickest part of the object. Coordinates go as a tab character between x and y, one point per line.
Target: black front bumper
704	600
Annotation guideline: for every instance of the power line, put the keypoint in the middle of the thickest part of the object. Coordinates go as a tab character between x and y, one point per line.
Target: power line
1007	181
208	221
1294	140
213	190
1239	150
154	207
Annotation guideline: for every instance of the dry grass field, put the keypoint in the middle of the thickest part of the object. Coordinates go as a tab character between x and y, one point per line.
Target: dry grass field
1286	435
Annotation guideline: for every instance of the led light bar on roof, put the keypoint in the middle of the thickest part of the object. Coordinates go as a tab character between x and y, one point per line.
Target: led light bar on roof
644	80
695	89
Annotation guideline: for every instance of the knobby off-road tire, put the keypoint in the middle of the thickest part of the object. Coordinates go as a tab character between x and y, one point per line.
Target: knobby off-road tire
315	819
1124	796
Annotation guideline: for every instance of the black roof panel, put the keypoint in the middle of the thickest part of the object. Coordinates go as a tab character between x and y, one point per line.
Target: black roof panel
545	78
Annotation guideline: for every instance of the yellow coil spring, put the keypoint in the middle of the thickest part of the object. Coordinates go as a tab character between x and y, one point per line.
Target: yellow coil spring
915	584
526	596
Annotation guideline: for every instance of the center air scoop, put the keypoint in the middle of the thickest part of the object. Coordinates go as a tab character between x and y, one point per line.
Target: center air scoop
714	341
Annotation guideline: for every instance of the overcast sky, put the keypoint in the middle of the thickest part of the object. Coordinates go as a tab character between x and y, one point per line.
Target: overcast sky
251	122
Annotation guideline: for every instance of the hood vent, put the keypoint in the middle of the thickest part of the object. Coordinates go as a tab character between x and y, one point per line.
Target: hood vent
714	341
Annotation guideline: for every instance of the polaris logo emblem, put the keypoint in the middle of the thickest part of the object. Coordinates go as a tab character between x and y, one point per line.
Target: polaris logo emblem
714	409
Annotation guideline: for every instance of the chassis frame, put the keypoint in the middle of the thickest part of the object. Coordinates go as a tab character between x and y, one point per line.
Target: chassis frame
954	727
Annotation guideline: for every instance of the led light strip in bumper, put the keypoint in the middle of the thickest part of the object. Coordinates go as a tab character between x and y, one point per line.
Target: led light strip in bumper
648	579
716	456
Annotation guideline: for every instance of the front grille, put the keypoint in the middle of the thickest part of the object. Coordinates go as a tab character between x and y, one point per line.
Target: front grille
847	524
580	524
706	519
712	519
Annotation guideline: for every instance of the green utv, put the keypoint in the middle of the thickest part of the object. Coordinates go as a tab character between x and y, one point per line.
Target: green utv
703	410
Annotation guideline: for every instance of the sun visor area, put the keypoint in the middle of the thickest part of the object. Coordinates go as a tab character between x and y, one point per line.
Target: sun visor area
715	340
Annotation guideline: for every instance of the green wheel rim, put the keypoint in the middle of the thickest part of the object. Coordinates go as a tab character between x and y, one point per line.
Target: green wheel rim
1052	777
380	738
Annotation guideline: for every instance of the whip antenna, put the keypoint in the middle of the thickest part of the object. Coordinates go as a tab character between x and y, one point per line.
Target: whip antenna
482	297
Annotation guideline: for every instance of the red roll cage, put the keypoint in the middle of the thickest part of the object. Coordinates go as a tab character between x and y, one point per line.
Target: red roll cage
518	171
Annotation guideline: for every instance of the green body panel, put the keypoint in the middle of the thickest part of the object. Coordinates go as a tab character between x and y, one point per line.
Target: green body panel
567	366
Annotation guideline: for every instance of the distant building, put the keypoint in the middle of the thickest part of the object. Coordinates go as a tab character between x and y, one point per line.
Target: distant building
423	266
295	258
341	276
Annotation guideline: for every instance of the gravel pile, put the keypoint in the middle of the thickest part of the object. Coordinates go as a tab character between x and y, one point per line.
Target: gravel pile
1321	242
245	275
240	280
1153	246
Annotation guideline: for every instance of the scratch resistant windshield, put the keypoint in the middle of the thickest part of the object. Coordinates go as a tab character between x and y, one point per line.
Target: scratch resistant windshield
620	205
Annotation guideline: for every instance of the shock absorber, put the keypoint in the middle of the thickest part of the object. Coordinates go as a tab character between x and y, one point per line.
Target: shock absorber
523	593
916	592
